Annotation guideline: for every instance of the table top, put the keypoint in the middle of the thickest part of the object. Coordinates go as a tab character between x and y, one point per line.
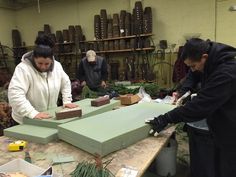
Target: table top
139	155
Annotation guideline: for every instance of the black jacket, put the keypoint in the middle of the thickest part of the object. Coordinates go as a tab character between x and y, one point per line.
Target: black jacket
94	73
192	82
216	99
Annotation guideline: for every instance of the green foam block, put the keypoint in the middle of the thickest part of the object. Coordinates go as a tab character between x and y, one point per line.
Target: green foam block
113	130
62	159
87	110
32	133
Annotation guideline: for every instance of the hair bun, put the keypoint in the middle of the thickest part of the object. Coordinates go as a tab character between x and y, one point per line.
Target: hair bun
44	39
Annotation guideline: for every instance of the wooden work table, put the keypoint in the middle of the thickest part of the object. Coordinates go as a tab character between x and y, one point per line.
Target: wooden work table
139	155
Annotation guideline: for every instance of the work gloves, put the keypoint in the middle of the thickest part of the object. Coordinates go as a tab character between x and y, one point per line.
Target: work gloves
158	123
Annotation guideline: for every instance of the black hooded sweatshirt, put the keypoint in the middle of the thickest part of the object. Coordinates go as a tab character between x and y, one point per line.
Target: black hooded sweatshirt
216	100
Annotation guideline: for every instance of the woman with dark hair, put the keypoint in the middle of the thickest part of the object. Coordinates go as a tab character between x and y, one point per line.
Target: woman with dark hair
37	82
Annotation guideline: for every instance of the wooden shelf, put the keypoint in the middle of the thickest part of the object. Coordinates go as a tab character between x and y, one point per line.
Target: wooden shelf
117	38
65	43
65	54
28	47
3	55
22	47
125	50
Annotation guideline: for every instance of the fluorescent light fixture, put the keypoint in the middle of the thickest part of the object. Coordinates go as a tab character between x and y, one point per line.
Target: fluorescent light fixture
232	8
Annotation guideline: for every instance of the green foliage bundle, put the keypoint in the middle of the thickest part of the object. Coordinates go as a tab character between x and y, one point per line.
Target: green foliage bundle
151	88
86	169
87	93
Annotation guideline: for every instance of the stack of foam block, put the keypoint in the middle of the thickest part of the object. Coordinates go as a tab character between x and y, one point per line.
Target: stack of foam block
45	130
110	131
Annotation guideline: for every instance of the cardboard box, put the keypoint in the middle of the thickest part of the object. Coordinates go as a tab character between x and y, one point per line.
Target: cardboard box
26	168
129	99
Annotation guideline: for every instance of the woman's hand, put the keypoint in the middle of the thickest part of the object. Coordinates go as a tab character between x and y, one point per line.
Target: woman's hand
42	115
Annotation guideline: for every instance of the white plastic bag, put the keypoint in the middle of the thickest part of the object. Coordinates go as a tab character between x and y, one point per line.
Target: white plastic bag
143	95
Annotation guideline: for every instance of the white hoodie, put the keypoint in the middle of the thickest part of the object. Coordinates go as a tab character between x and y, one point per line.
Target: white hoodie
31	92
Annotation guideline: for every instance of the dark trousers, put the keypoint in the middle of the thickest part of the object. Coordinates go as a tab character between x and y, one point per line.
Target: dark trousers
202	153
226	158
206	158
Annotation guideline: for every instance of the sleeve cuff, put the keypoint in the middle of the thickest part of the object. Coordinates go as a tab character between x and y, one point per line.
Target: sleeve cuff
33	114
66	102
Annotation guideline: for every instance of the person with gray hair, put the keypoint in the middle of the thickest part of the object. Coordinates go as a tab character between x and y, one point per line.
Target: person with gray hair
92	71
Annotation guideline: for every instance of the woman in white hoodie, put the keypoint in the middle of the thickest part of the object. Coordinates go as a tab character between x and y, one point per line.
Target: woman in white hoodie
37	82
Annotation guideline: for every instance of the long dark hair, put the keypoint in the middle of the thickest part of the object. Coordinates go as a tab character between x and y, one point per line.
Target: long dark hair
43	47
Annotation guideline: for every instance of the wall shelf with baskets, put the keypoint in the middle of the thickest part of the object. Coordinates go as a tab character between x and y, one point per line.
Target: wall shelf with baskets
122	37
140	42
66	53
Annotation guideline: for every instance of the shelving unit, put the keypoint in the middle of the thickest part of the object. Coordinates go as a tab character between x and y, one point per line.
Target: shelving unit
132	50
127	50
19	51
3	57
66	53
116	38
126	39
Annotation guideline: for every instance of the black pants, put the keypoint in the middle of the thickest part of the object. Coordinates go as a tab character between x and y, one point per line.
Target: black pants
207	159
226	162
202	153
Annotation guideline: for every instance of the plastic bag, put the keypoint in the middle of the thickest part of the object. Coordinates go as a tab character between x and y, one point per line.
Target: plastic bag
143	95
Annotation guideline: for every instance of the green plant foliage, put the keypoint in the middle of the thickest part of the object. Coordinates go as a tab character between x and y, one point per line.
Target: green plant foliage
86	169
121	89
151	88
87	93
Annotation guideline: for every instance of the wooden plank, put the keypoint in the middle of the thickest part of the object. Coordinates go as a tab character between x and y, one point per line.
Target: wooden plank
111	131
125	50
122	37
87	110
32	133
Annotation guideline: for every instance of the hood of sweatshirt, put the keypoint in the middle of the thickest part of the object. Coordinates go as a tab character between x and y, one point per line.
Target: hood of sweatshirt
29	59
218	53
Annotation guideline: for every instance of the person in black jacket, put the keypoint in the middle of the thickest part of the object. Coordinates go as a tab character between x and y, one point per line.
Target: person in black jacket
200	139
92	71
216	100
